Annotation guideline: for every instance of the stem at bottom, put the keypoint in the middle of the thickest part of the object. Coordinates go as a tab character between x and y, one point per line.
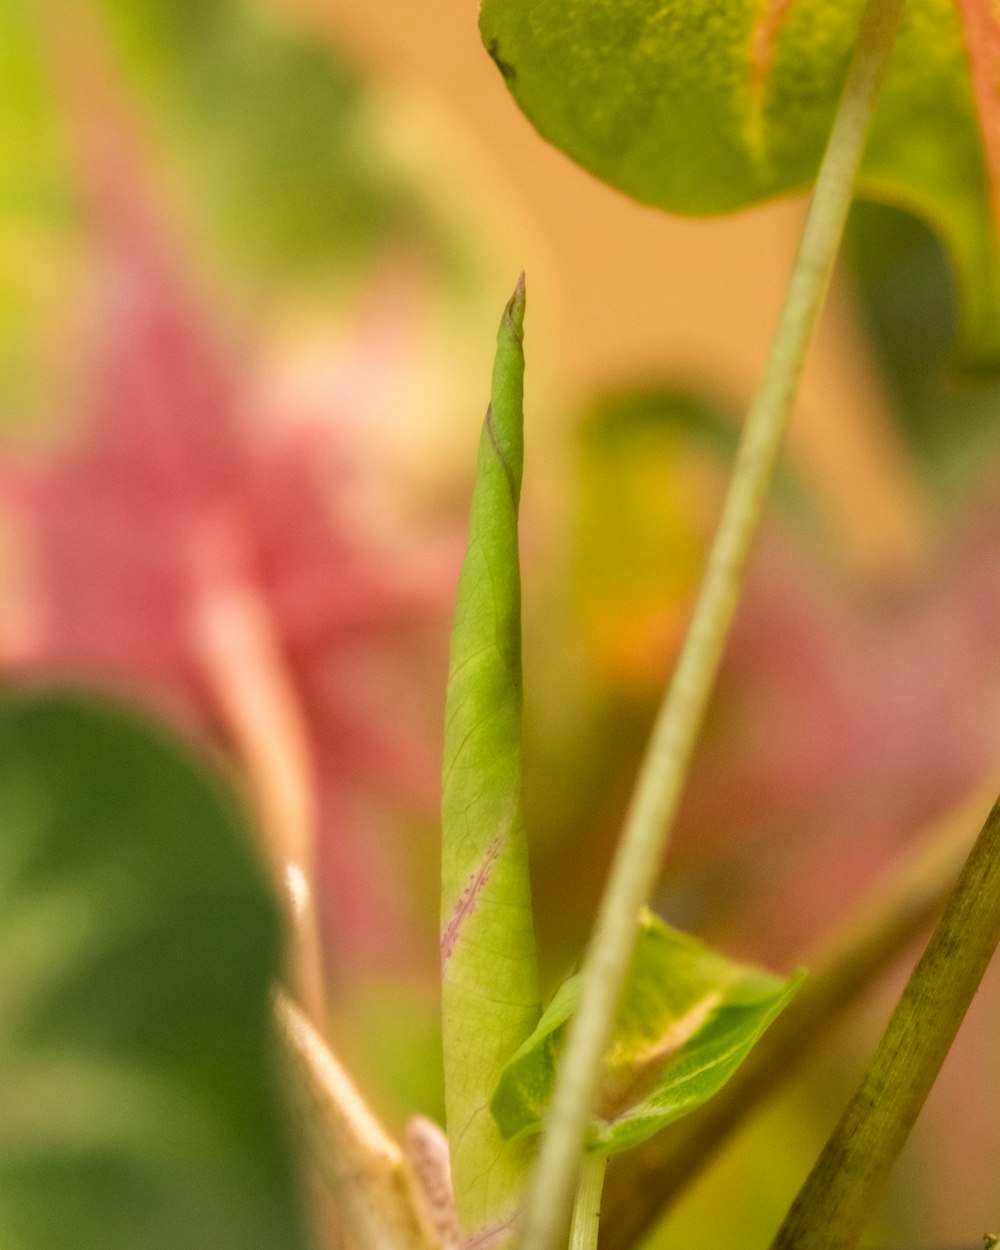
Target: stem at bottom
587	1210
833	1207
373	1184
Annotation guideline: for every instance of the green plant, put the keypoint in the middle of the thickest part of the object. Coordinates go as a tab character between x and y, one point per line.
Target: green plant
696	108
698	144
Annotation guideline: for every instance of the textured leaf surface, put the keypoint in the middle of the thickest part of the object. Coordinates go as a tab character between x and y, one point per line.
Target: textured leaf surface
703	106
489	978
138	1098
687	1019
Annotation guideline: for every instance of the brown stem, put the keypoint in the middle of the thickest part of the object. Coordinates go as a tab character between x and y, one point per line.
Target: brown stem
374	1186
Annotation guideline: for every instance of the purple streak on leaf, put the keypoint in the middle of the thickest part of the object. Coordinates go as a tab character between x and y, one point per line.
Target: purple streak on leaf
491	1235
763	41
468	900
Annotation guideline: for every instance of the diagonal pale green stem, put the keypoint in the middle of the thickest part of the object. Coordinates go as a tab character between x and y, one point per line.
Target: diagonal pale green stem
837	1199
587	1208
665	766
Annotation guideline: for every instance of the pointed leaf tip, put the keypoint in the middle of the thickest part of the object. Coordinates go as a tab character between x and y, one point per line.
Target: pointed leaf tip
514	312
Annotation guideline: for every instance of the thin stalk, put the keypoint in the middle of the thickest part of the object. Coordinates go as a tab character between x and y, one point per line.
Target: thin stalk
665	767
896	909
587	1208
373	1183
835	1202
242	663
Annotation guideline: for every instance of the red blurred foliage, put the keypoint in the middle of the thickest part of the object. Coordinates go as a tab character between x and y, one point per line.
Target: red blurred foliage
846	722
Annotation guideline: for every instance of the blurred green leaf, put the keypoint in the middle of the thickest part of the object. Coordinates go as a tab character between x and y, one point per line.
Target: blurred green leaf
910	308
260	134
37	219
139	1103
686	1020
704	108
269	130
651	475
489	977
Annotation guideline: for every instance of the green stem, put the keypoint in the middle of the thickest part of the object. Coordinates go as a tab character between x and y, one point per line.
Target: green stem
587	1209
664	769
897	908
833	1206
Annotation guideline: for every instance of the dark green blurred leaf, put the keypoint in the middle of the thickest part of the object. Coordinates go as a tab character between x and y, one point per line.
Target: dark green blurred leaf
139	1103
910	307
686	1020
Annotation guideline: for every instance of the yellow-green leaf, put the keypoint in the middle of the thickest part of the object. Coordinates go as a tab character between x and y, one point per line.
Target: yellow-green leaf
687	1019
489	978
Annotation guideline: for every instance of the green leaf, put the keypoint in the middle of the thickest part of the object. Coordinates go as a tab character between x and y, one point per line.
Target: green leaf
903	285
704	106
139	1103
686	1021
489	977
